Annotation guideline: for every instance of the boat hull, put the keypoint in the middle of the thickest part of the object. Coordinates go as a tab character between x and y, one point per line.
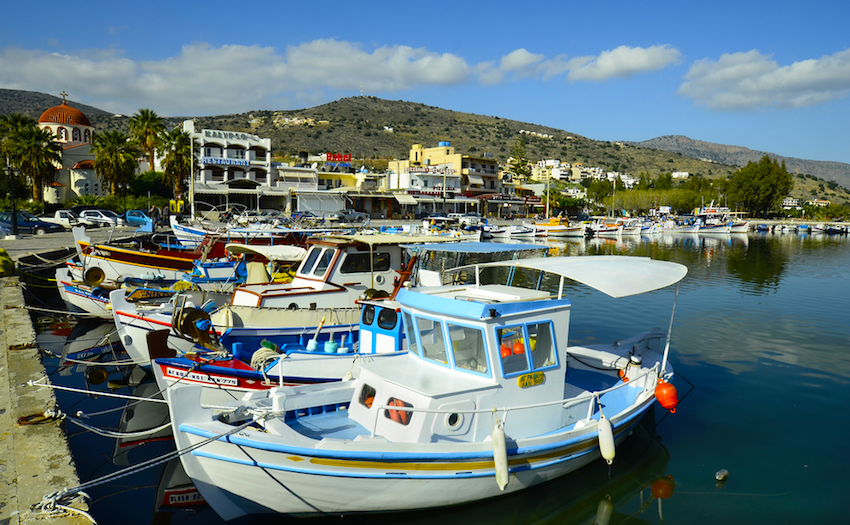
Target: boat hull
250	473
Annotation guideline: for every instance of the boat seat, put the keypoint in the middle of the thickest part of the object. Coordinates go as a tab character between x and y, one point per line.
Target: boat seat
158	344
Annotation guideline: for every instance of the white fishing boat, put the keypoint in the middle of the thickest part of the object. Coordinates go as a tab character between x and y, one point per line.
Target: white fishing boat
512	231
489	400
673	226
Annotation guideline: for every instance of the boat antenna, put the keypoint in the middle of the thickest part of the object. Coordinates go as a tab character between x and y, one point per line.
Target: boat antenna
669	332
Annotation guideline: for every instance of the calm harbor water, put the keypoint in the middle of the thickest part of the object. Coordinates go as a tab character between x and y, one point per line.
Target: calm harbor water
761	348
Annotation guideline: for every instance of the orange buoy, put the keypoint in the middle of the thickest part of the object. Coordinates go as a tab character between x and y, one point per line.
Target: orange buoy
662	488
399	416
519	347
505	350
622	374
666	394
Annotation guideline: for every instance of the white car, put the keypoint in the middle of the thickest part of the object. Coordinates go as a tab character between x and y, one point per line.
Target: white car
101	218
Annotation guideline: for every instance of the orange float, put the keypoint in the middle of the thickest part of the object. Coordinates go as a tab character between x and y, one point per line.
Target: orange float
519	347
662	488
505	350
666	395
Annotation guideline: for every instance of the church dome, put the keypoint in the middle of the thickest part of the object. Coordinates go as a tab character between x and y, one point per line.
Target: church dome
64	114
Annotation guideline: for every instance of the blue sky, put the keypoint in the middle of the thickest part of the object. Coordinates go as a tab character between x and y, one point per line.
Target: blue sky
771	76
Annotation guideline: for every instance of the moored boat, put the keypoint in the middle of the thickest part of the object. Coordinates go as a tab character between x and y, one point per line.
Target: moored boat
489	400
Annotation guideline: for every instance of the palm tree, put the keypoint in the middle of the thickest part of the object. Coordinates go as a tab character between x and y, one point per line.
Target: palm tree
115	158
178	162
146	127
36	153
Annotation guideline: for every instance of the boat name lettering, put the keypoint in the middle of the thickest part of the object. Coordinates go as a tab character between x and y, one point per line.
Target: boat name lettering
203	378
139	293
190	497
534	378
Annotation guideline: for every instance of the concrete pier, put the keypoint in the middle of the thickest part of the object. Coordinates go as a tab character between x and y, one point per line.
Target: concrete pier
34	458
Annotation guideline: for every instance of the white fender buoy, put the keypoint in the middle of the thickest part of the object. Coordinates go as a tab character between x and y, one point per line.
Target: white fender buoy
500	455
606	439
604	511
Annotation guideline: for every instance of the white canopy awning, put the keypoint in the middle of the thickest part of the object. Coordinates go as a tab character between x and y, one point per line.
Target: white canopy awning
614	275
404	198
476	179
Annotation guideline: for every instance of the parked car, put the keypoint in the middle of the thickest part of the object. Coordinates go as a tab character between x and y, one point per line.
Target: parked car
303	215
348	215
136	218
465	220
28	223
65	218
100	217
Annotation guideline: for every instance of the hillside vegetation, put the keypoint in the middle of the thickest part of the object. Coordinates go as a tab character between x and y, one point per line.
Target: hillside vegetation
377	130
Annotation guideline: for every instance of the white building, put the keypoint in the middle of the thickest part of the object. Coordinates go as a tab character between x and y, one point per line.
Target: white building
236	167
76	177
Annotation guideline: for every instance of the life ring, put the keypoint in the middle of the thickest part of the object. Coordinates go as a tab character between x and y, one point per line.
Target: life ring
399	416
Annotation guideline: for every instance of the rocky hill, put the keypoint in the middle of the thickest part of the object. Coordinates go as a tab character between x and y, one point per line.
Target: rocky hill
739	156
377	130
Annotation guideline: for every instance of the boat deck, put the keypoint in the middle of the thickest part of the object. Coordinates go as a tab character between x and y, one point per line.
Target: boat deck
332	422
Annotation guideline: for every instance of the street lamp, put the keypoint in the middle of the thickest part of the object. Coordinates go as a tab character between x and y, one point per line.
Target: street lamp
13	173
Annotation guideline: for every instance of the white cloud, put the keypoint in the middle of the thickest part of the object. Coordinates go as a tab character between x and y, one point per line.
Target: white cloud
205	80
751	80
202	79
622	62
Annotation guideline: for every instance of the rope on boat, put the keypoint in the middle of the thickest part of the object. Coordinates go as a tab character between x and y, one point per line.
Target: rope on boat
58	414
39	382
49	310
61	499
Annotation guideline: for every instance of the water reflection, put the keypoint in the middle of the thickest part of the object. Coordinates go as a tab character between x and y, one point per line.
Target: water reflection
760	331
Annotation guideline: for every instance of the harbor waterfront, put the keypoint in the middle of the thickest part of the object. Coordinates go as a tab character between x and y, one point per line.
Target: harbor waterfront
760	349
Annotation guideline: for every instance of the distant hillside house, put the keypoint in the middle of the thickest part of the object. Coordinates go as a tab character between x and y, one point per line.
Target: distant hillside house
76	176
680	174
440	179
820	203
789	203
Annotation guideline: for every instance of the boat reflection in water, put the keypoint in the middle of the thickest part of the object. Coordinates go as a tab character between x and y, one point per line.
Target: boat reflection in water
90	340
636	484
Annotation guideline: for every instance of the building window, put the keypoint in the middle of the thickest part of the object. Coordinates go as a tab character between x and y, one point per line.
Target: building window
76	134
87	135
62	133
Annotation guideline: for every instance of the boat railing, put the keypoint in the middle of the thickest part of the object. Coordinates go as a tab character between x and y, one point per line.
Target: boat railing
566	403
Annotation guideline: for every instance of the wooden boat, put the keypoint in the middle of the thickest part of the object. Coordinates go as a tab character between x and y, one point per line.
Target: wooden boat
335	272
489	400
87	290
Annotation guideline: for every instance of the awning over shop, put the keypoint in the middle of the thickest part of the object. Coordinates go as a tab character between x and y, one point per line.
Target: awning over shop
476	179
404	198
422	198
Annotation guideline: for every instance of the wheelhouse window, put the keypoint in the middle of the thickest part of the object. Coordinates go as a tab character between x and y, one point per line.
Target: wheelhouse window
387	319
368	314
432	340
512	350
307	267
410	333
526	347
468	348
359	263
324	262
